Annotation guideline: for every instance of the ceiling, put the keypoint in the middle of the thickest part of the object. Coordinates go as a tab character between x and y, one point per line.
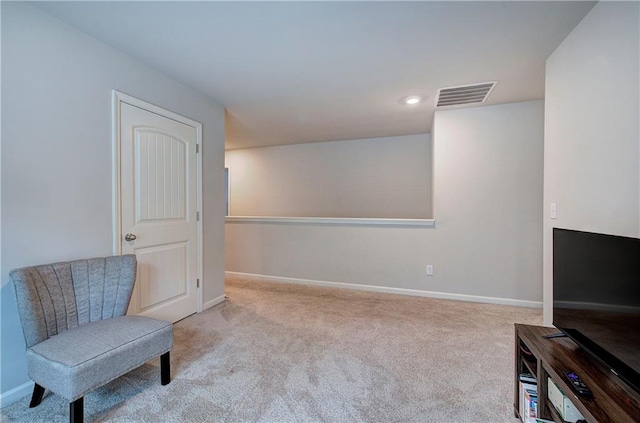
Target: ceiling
294	72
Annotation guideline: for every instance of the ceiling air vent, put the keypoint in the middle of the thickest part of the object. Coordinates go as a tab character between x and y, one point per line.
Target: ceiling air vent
464	94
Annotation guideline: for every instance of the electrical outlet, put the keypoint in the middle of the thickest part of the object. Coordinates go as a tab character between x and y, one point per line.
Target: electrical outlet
429	269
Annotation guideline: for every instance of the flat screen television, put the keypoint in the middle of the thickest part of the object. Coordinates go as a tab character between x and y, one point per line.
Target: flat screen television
596	297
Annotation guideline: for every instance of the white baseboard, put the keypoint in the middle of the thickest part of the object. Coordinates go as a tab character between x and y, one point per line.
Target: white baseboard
390	290
212	302
16	394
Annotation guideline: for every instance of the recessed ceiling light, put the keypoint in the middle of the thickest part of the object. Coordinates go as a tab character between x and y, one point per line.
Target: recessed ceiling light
414	99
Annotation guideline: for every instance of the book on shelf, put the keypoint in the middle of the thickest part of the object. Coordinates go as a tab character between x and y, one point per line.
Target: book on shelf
528	406
527	377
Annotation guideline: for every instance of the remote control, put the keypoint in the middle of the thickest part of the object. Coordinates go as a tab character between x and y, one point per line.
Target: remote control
577	384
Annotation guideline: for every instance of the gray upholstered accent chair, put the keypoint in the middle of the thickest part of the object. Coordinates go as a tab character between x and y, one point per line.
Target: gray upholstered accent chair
77	335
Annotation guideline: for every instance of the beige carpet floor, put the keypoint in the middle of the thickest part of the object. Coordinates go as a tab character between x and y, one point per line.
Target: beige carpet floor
291	353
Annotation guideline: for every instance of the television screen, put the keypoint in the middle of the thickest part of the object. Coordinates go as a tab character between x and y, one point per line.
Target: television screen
596	297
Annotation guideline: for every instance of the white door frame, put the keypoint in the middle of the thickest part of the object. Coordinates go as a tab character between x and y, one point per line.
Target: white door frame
117	99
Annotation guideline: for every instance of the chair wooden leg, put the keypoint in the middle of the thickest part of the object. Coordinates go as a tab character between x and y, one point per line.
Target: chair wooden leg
38	392
165	369
76	411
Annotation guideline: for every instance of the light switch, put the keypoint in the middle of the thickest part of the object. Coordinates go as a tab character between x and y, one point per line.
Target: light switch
554	211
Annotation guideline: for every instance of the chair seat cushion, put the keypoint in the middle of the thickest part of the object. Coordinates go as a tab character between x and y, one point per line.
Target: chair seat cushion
77	361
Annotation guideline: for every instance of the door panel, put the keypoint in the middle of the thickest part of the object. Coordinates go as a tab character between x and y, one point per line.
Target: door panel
158	201
163	273
160	170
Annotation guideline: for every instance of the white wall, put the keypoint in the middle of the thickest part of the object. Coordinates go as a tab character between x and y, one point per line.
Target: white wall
378	177
487	204
592	141
56	154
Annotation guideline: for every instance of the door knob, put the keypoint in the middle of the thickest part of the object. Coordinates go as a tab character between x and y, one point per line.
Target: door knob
130	237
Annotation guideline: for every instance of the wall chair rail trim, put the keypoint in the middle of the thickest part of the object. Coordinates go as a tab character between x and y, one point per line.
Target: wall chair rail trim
344	221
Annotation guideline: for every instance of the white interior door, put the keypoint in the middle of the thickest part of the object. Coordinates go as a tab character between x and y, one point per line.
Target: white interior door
158	186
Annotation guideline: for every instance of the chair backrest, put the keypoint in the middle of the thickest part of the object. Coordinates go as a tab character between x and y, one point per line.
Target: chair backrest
57	297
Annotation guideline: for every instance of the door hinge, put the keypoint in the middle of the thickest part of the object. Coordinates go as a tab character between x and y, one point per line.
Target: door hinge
197	283
197	216
197	148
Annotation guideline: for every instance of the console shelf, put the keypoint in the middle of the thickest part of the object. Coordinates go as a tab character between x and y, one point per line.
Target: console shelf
612	401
